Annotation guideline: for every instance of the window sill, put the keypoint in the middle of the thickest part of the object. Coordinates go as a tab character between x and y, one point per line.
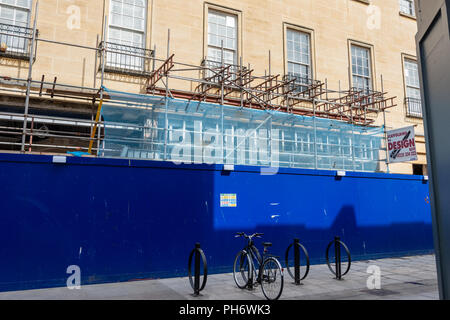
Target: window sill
407	15
15	55
363	1
413	116
126	71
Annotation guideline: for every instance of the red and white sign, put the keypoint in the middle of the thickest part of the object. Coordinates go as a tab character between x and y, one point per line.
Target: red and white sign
402	145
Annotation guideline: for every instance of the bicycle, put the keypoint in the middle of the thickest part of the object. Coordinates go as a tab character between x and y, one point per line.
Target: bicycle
269	273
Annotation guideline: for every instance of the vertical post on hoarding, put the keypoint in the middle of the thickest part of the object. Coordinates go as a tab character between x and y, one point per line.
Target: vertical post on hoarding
222	73
99	136
222	139
269	142
353	140
315	135
342	138
30	73
31	134
166	120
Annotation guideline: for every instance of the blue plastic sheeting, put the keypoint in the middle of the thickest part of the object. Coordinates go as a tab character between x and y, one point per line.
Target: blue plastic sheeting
156	128
127	219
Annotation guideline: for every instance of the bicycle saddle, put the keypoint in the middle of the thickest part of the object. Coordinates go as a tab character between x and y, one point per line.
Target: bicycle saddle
267	244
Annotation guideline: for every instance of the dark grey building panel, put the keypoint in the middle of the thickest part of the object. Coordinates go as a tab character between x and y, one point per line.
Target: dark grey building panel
433	45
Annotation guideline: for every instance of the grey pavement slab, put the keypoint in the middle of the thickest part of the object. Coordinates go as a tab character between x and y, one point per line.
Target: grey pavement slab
407	278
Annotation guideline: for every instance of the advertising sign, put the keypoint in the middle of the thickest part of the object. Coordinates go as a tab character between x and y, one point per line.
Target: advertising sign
402	145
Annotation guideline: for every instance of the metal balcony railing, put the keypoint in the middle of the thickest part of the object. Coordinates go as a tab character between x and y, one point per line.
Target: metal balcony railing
364	91
127	59
413	107
366	97
15	41
213	68
300	84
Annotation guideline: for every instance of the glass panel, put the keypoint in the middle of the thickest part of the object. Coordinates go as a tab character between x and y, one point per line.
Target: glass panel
222	29
298	45
412	74
407	6
13	15
128	14
361	68
413	93
299	57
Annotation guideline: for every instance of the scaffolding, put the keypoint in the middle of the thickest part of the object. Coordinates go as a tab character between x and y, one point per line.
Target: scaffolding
215	87
202	132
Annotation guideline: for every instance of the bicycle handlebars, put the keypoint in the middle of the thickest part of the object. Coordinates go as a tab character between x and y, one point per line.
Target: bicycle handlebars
242	234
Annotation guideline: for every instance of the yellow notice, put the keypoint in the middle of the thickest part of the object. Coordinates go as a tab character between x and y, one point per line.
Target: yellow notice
228	200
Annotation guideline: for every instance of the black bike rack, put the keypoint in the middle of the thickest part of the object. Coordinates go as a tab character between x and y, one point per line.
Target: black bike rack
337	257
197	254
297	247
252	270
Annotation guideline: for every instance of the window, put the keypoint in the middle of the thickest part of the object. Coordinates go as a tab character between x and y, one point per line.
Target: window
15	12
407	7
361	68
298	47
14	19
222	28
127	34
412	88
417	169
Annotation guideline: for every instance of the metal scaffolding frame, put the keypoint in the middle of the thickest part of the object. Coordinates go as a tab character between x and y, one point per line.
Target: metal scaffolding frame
216	82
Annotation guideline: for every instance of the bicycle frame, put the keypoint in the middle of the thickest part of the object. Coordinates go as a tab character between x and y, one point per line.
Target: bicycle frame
251	249
249	257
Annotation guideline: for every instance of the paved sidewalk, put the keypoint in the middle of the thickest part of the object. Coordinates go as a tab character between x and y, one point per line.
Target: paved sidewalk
407	278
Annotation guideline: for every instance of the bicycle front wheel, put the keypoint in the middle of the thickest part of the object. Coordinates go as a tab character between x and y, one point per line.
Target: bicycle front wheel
242	269
272	279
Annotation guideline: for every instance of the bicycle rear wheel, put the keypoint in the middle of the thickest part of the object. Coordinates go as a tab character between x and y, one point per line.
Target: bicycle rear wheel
242	269
272	279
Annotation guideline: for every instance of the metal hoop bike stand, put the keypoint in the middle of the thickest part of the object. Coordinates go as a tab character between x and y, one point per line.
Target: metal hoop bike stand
337	255
197	253
297	247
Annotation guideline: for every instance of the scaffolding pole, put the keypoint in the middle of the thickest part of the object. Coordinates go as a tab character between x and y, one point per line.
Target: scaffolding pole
102	79
30	74
222	140
385	132
166	120
315	136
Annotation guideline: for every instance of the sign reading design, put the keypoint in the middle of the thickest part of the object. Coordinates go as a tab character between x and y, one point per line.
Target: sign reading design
402	145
